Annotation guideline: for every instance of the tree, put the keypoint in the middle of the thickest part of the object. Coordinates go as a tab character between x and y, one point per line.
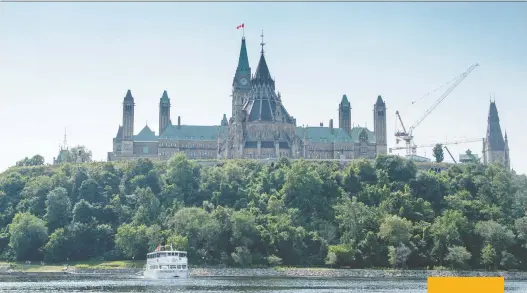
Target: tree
457	257
36	160
28	234
398	256
58	209
80	154
246	213
488	256
438	153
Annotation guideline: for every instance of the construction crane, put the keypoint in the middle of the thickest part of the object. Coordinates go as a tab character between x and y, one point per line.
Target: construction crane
407	135
446	148
415	147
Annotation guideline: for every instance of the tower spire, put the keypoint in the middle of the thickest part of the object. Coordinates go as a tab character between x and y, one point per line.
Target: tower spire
65	142
262	43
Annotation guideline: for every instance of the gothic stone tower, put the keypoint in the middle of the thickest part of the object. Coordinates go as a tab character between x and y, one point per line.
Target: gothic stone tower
379	126
345	114
127	145
495	147
241	83
164	113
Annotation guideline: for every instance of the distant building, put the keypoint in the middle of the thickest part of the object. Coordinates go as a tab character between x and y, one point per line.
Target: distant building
260	127
495	144
466	158
417	158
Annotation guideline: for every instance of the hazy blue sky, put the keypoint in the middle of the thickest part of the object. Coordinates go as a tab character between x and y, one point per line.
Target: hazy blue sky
68	65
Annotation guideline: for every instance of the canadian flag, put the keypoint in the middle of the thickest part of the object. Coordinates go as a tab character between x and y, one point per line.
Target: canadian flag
240	26
158	248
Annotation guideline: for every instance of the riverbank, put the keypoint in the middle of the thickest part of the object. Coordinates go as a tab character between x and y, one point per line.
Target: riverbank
264	272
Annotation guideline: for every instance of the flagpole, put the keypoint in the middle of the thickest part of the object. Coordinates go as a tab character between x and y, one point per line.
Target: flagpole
243	30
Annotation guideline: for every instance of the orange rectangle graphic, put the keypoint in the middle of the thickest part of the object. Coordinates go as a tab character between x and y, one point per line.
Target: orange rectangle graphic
466	285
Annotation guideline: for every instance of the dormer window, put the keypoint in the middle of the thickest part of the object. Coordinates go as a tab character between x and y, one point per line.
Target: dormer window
363	136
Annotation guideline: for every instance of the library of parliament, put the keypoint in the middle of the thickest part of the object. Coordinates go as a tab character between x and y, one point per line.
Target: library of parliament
259	127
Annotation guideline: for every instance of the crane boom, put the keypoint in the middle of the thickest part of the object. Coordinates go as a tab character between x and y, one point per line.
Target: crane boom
445	94
432	145
407	136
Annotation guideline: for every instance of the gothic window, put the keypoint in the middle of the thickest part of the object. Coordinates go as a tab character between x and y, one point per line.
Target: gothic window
363	137
363	150
145	150
380	113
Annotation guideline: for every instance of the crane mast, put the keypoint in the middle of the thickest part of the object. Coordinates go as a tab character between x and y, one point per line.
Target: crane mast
407	136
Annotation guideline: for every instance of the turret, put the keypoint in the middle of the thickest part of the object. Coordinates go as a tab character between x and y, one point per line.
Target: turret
345	114
224	121
128	116
164	112
379	126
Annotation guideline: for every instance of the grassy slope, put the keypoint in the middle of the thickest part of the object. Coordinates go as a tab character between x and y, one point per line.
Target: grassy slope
36	267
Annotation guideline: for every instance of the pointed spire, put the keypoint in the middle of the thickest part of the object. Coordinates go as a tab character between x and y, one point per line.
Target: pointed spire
493	113
494	135
65	142
243	60
129	95
262	43
262	71
344	99
164	98
224	121
379	101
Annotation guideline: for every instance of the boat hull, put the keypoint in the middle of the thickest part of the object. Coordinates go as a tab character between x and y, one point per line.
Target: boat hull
165	274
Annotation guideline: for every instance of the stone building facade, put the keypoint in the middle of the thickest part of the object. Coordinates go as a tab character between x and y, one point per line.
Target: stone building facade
259	127
495	144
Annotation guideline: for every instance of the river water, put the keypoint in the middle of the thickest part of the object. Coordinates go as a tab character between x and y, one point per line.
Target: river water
224	284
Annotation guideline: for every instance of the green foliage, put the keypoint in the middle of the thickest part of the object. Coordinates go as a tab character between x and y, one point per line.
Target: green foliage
438	153
36	160
244	213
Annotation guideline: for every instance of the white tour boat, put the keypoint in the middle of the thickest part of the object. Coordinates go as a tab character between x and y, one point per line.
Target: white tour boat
166	263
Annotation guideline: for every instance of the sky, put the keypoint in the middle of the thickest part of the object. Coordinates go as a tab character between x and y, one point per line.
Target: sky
69	65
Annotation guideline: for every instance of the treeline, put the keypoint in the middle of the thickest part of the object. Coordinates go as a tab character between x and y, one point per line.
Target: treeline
244	213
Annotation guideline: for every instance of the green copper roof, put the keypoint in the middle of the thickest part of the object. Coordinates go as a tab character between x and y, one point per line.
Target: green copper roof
379	101
193	132
356	133
129	95
344	100
164	98
243	60
145	135
324	134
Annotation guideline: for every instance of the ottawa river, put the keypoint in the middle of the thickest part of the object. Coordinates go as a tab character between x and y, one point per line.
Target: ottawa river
226	284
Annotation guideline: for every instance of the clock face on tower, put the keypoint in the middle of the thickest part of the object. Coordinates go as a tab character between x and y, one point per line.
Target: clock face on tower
243	81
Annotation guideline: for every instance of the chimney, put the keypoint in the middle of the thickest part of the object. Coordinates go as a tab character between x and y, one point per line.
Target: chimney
321	124
178	121
331	125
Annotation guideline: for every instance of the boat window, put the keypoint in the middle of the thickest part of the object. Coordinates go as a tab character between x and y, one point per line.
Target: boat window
163	254
184	266
183	255
179	266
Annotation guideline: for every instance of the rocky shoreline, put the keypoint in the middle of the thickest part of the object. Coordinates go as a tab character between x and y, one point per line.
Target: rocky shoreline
276	272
